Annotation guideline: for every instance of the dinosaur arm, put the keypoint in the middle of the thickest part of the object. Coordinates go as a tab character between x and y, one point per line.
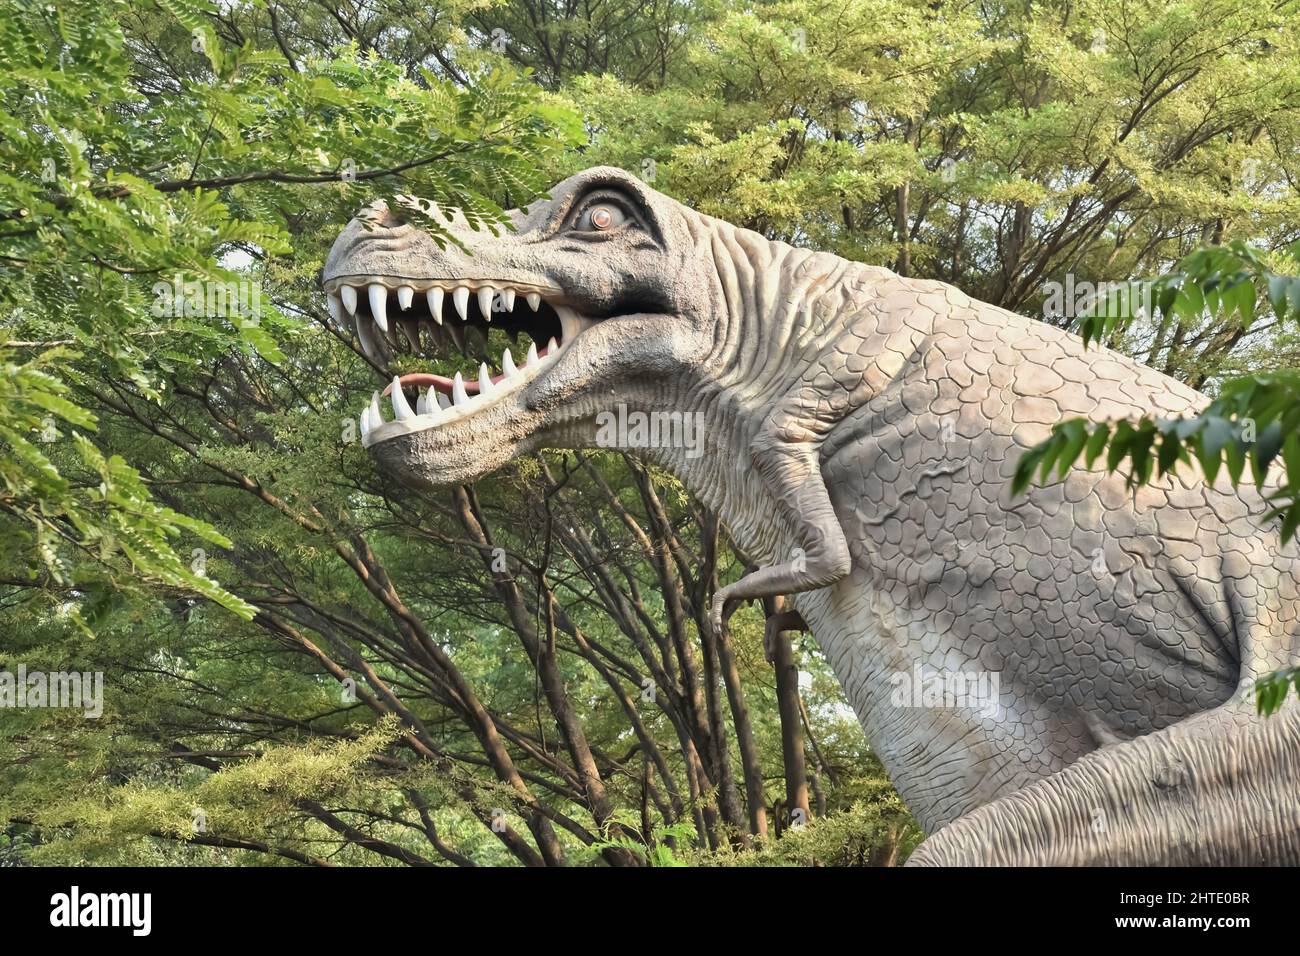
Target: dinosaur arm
786	454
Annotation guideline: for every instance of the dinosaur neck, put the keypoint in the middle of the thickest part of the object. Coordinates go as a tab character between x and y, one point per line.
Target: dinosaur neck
785	308
778	309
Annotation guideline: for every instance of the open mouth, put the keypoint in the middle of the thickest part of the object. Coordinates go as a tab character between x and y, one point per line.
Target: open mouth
481	320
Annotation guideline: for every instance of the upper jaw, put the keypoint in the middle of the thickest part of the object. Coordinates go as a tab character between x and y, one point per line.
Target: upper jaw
371	302
333	284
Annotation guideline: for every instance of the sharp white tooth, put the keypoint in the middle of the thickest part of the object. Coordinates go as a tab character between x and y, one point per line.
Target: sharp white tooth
534	300
401	409
379	305
365	421
444	402
335	308
458	393
485	386
531	358
376	416
432	408
349	296
434	296
509	299
485	297
405	296
460	298
507	363
551	347
570	323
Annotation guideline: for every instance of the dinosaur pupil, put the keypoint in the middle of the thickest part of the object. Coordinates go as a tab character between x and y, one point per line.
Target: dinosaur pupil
601	218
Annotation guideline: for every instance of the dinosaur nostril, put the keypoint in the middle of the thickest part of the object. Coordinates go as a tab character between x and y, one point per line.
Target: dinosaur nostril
391	220
378	215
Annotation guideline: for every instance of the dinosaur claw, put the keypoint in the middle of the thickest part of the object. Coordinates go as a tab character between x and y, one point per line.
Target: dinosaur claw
721	609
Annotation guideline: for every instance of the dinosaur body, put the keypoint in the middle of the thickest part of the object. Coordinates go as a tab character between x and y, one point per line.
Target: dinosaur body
861	433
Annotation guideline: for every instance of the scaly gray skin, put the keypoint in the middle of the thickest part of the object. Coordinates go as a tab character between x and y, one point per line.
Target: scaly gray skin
861	430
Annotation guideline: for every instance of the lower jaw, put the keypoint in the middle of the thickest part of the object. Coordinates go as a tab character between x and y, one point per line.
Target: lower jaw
477	405
439	458
444	385
466	398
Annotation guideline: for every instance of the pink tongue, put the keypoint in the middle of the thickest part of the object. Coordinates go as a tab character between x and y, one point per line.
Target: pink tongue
443	384
426	379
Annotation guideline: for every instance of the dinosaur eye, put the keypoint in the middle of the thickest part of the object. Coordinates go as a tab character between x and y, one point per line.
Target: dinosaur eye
602	217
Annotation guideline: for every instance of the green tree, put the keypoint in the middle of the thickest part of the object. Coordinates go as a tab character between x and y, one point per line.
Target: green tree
391	695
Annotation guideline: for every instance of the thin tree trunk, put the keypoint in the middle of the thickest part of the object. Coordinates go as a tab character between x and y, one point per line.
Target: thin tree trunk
542	654
787	699
902	201
744	728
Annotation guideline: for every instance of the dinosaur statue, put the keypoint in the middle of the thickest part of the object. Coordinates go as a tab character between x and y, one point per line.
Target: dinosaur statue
860	431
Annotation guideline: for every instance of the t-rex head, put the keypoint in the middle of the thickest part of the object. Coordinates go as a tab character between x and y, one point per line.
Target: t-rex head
606	278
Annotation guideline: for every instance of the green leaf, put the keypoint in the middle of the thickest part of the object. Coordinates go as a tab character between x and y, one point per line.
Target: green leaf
1097	443
1119	444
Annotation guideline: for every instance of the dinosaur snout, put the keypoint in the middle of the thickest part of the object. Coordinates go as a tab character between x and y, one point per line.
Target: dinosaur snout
386	248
